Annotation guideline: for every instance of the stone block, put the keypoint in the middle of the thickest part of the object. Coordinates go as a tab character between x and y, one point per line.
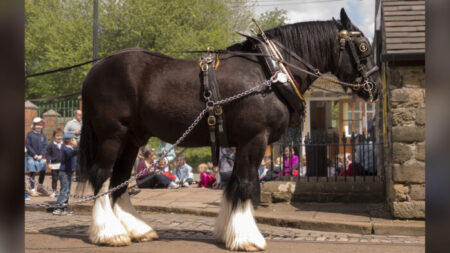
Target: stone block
395	77
281	197
266	197
278	186
407	97
401	192
402	116
408	134
413	76
417	192
408	210
410	172
420	152
401	152
420	117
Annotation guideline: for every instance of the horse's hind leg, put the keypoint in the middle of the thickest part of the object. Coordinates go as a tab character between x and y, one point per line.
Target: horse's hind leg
137	229
235	225
105	228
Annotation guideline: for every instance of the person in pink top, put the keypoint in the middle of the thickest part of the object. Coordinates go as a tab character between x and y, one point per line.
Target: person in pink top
290	161
206	179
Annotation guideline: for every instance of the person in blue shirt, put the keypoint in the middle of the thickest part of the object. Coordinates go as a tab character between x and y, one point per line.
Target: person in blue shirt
183	172
68	165
36	146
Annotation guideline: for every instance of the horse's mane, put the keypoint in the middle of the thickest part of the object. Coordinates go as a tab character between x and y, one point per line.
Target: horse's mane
305	38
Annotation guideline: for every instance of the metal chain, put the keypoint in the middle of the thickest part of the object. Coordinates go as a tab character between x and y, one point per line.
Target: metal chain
259	88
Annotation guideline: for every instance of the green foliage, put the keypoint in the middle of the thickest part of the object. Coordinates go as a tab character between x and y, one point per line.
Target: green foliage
58	33
271	19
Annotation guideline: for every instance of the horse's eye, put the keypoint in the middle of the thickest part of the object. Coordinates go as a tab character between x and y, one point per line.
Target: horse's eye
363	47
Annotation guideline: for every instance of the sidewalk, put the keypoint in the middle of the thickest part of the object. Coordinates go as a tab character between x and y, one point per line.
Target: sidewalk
360	218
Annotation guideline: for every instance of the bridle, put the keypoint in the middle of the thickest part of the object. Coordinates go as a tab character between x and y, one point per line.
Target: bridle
346	38
351	39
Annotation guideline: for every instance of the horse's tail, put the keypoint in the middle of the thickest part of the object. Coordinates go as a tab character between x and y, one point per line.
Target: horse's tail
87	153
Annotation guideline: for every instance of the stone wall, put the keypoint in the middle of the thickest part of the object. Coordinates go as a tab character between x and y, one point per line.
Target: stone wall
406	109
353	190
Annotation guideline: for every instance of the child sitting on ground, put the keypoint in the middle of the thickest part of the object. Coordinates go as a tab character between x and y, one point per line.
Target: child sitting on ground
68	165
216	176
206	179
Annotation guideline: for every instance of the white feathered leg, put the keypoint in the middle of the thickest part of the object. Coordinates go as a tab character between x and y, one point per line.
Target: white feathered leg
106	229
237	228
137	229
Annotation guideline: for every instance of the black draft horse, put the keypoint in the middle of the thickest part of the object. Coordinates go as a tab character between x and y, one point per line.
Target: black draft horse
133	95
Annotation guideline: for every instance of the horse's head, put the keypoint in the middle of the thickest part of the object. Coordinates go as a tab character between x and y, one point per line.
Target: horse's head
354	59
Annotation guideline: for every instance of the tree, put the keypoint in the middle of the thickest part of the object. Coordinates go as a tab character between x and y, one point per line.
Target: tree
271	19
58	33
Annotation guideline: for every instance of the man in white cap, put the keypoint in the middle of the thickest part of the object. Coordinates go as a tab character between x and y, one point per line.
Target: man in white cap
36	145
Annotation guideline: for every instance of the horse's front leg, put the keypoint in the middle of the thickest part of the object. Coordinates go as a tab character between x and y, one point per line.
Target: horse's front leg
130	219
235	225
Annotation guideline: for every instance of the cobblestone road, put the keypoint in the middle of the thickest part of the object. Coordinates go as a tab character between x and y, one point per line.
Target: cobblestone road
173	226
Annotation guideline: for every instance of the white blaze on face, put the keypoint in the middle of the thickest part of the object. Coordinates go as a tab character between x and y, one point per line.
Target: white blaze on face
106	228
237	228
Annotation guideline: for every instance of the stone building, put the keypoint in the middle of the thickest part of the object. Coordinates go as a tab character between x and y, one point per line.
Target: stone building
400	42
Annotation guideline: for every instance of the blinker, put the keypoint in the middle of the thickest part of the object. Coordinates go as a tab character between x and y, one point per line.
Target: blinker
363	47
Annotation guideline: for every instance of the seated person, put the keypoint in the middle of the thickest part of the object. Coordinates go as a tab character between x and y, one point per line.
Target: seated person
165	147
263	171
226	163
216	175
206	178
350	170
153	176
183	172
302	168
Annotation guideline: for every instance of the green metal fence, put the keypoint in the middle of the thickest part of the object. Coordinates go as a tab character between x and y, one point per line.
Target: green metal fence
55	113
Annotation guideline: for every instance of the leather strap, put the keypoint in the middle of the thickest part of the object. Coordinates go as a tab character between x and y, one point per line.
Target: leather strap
211	94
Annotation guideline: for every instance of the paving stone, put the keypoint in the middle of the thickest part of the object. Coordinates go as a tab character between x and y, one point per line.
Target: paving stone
193	227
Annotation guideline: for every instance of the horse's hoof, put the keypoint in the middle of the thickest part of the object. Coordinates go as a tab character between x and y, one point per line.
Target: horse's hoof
115	240
247	246
149	236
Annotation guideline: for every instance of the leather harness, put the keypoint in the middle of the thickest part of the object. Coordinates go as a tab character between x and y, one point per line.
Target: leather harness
211	94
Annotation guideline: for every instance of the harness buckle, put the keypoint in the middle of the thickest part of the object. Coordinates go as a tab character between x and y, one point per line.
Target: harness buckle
368	86
218	110
211	120
204	67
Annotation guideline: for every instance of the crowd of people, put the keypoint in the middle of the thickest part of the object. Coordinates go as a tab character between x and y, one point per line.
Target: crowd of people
160	168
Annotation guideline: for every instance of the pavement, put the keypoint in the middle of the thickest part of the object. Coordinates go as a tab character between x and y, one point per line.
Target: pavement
45	232
356	218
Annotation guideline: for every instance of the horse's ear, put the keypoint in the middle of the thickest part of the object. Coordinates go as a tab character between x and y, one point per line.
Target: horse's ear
337	23
345	20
